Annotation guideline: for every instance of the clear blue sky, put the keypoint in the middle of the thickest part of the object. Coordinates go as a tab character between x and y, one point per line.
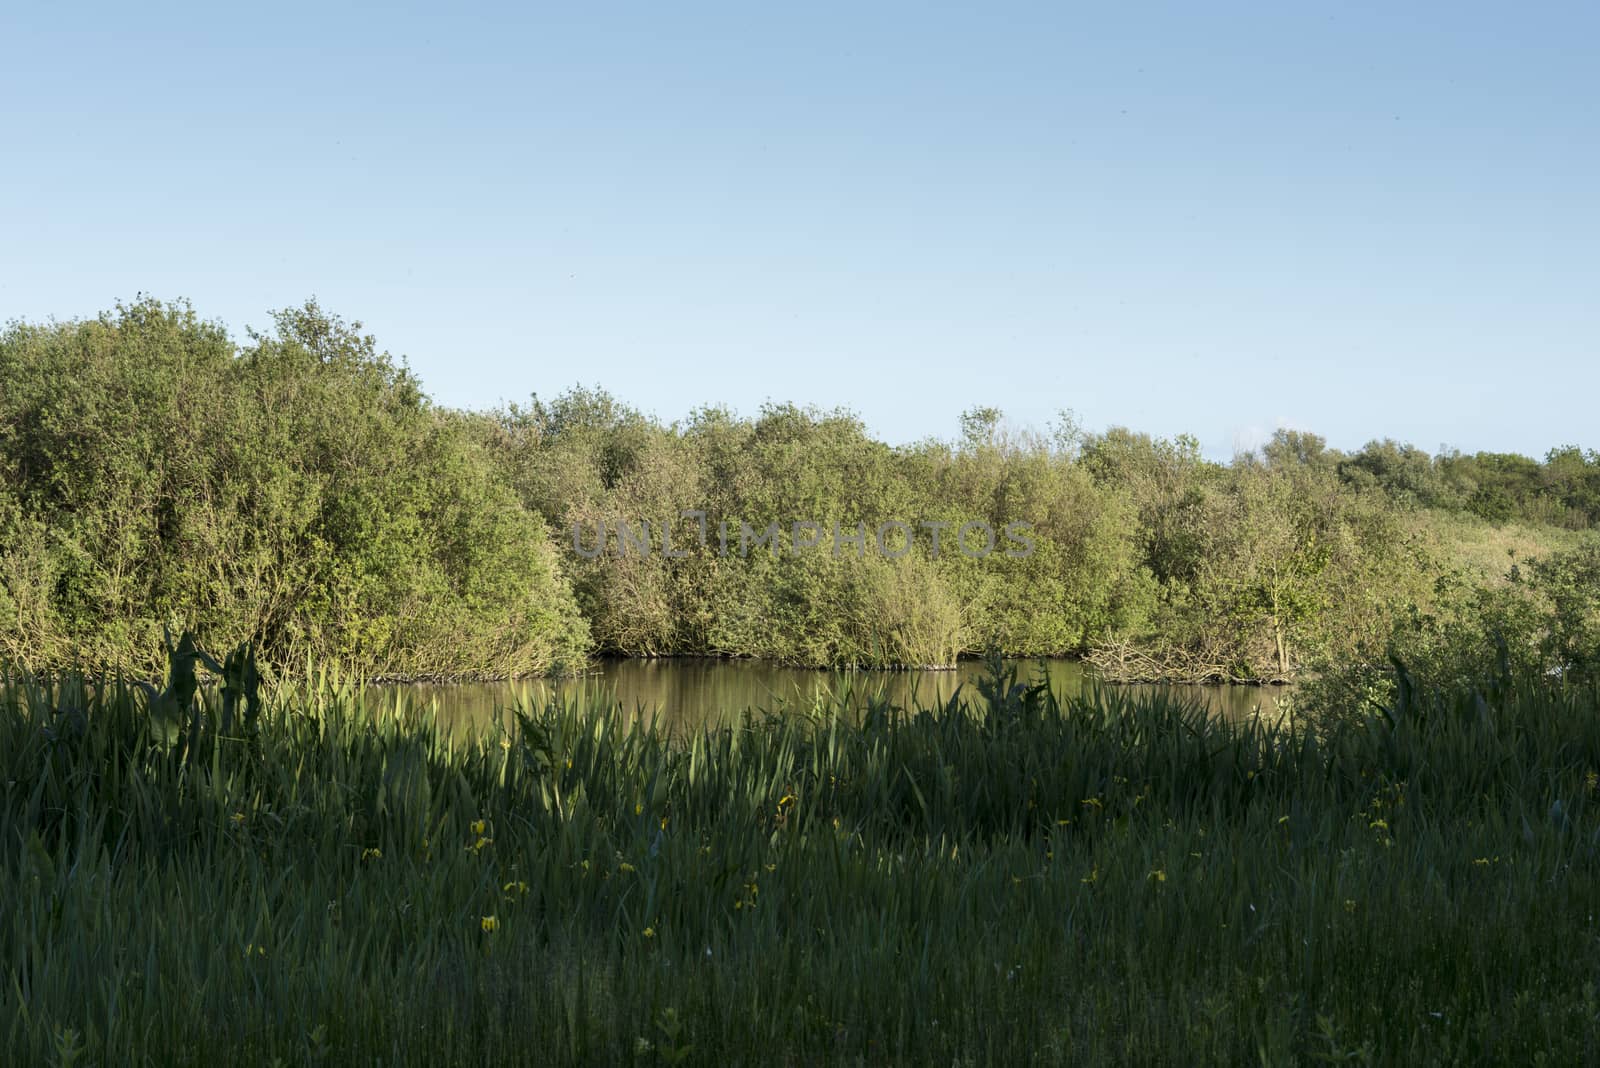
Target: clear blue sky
1363	219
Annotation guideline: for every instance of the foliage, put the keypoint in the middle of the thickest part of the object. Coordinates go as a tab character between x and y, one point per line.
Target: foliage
1500	487
1090	878
1544	623
300	490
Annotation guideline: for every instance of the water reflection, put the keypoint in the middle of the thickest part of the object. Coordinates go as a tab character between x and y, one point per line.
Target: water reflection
689	693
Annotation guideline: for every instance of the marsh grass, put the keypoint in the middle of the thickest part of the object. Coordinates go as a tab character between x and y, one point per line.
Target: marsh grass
1095	877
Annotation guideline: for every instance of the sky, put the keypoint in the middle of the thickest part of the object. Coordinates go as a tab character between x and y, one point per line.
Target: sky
1366	220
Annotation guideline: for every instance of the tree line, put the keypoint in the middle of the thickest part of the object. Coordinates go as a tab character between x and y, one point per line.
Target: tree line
300	488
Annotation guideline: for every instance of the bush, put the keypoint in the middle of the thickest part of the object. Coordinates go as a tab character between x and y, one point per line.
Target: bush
301	490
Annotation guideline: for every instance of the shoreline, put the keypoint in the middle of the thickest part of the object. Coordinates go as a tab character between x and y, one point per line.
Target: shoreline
597	668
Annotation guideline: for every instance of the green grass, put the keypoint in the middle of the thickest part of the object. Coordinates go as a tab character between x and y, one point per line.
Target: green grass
1487	550
1090	878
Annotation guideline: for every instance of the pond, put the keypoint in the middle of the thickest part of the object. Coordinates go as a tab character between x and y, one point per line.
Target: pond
692	692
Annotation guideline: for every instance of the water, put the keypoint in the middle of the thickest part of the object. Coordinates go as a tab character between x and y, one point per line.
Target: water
692	692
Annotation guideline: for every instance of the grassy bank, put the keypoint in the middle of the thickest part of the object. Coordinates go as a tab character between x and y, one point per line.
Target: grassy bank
1088	878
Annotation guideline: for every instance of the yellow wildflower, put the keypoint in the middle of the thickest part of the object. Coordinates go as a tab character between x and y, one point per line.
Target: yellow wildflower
372	854
1159	875
478	827
489	924
649	932
626	868
1349	906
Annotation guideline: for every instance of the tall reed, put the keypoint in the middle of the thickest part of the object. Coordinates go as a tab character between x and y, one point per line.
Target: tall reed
1092	877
